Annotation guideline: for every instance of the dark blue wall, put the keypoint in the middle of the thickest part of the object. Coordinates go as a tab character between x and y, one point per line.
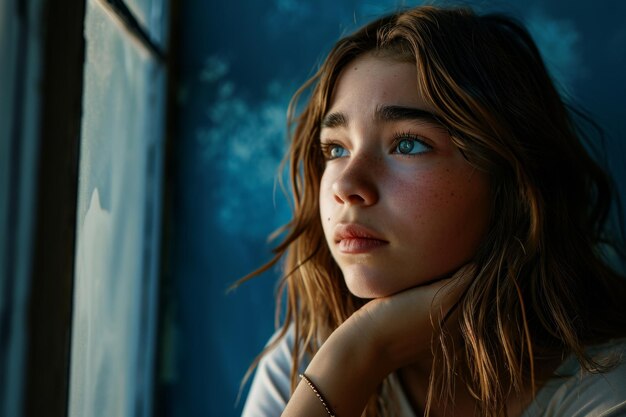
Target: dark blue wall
240	64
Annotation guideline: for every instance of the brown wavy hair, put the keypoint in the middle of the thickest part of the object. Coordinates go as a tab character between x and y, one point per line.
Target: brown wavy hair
543	286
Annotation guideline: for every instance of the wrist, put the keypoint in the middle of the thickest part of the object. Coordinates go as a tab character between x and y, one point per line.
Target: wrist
347	369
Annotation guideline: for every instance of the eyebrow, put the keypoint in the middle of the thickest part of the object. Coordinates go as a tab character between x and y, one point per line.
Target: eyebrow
383	114
334	120
395	113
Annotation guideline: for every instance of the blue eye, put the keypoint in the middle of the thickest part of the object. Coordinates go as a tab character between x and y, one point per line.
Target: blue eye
411	146
334	151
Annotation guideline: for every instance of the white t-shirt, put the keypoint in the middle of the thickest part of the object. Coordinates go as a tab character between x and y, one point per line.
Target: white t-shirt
571	393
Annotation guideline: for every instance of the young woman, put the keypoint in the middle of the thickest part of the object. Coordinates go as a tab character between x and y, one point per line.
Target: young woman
449	250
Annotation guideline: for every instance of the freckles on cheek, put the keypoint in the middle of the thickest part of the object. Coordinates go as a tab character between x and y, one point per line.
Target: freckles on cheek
433	203
422	195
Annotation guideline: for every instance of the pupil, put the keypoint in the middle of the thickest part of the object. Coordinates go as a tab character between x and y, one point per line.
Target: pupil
335	152
406	146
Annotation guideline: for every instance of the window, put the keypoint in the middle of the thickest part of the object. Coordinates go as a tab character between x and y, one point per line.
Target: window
118	215
82	139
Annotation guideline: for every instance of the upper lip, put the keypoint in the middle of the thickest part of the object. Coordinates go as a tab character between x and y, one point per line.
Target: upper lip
354	231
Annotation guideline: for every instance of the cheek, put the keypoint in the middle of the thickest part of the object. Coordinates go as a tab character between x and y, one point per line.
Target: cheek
326	201
444	210
417	205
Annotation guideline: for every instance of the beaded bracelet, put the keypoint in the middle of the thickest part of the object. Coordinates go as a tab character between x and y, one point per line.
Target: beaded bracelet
318	394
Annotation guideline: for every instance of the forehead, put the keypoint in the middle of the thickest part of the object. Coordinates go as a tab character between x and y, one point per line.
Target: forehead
370	81
372	90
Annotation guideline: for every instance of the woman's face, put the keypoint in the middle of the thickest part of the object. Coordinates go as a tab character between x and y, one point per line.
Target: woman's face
399	204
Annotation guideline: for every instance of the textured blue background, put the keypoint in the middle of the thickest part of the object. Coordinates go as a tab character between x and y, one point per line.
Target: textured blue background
241	61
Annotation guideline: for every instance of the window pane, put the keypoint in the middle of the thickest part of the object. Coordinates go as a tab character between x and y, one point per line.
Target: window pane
117	218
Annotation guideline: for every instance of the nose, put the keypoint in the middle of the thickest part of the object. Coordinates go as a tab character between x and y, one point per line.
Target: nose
356	185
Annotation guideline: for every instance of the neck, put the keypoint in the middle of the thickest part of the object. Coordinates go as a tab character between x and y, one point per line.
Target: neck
416	380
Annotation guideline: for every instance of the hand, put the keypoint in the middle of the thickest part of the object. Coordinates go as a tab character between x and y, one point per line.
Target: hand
400	327
384	335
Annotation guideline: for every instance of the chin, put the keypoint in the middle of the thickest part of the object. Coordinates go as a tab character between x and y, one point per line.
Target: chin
369	287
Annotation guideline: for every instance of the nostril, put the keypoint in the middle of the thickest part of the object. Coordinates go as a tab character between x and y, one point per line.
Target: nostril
350	199
356	199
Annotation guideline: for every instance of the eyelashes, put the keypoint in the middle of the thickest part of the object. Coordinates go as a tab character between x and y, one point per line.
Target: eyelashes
410	144
332	150
403	143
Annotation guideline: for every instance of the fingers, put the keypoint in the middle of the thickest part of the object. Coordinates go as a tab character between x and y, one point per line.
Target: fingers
404	324
451	289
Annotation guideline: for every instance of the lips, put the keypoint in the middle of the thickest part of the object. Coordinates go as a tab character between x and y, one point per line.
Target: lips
353	238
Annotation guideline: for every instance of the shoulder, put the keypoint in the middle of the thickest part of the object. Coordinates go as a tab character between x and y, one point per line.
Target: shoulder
271	385
574	392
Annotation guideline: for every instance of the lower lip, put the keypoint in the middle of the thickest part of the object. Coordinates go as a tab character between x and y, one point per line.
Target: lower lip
359	245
